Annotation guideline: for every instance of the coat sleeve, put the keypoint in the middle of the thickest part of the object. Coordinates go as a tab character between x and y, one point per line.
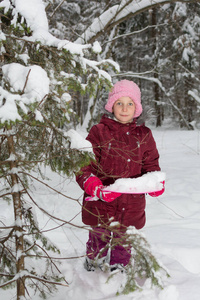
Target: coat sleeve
150	161
91	169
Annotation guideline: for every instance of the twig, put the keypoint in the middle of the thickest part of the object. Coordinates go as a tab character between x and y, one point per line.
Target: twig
46	212
56	258
56	9
51	259
48	186
170	209
132	33
27	76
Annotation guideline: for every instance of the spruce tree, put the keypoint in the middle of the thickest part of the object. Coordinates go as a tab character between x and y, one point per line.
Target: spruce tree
40	79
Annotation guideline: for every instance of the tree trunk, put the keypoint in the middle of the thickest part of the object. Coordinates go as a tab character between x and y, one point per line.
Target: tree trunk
17	204
156	87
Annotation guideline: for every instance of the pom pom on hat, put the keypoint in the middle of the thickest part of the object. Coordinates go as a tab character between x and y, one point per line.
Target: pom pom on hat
125	88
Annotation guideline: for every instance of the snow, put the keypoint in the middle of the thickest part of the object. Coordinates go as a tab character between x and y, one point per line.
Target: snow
147	183
194	95
96	47
78	141
37	85
180	10
172	227
28	85
34	13
9	110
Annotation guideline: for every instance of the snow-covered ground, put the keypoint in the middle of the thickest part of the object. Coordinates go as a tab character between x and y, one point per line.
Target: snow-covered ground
172	228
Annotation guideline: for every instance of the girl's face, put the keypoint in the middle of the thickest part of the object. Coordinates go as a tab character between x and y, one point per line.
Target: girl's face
124	110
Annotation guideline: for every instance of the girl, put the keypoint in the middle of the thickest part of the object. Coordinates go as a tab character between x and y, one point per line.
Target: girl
123	149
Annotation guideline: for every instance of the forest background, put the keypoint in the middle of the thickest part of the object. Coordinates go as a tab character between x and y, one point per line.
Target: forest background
157	46
58	60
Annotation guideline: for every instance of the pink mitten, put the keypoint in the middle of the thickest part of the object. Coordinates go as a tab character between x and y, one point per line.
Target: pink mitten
107	196
158	193
92	185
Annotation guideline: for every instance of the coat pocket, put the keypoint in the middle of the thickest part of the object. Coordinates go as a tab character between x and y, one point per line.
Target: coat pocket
93	213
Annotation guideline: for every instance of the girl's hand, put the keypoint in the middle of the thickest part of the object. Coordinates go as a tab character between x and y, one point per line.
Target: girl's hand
158	193
107	196
94	187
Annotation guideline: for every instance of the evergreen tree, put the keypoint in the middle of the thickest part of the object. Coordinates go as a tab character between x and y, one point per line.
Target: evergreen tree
41	78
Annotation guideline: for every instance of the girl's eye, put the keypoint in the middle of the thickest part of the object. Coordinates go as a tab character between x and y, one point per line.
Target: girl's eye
129	104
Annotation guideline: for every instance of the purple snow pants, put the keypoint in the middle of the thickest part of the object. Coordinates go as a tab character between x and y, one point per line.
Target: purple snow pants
101	240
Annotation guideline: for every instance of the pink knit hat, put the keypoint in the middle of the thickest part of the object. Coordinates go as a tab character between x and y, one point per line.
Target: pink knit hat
125	88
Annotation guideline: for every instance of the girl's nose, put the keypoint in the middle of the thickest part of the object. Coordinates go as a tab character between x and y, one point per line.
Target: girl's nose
124	107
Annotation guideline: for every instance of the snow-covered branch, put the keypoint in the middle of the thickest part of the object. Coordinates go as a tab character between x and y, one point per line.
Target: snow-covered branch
117	14
132	33
26	275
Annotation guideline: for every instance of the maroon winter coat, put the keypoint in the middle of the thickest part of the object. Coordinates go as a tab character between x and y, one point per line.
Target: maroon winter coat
121	151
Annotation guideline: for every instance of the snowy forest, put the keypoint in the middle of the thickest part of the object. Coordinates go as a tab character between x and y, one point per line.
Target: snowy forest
58	61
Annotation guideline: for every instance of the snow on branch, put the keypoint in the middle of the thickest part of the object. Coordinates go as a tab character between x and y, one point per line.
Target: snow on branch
33	11
117	14
78	142
28	85
25	85
194	95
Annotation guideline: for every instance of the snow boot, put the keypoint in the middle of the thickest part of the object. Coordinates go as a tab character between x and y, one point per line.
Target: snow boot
117	267
92	265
